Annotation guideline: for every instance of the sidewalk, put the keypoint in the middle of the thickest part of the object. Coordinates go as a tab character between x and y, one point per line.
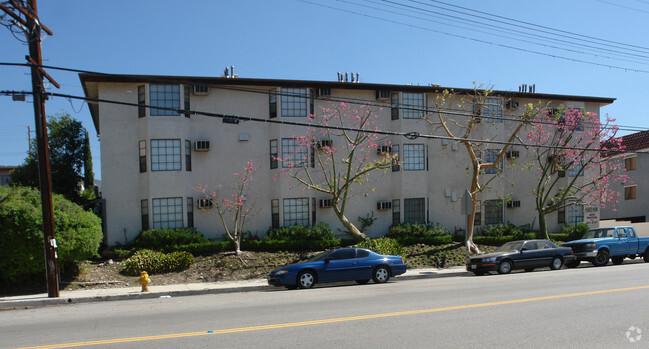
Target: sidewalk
166	291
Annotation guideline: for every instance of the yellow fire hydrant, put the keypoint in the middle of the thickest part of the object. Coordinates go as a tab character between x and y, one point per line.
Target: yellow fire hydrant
144	281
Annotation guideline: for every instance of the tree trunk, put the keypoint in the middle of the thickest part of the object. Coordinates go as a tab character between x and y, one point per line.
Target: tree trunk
543	228
350	226
237	245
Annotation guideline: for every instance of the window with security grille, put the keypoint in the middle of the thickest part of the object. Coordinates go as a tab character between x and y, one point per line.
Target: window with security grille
164	96
296	212
491	109
142	145
165	155
144	213
273	153
413	105
190	212
188	155
576	169
141	101
396	212
493	212
294	102
491	155
575	214
414	157
167	213
414	210
293	153
274	213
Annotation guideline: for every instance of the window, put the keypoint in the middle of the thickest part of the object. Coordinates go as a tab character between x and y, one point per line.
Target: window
491	109
575	214
164	96
413	105
347	253
478	214
630	163
167	213
394	152
493	212
142	156
165	155
630	192
296	212
293	154
188	155
313	211
144	213
273	153
274	213
396	212
413	157
414	210
190	212
576	170
394	106
141	101
272	104
294	102
491	155
187	106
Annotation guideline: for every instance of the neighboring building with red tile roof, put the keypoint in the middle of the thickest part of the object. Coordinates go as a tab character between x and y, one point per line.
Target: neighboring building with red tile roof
633	202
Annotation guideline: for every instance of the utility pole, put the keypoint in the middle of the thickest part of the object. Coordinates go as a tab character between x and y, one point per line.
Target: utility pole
32	27
29	138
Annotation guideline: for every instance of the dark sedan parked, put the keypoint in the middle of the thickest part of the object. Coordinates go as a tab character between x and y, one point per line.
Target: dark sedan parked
523	254
345	264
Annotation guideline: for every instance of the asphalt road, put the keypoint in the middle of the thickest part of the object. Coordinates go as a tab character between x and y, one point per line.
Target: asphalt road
575	308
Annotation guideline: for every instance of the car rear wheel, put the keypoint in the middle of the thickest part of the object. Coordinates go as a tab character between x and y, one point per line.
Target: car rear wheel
556	264
617	260
381	274
646	255
305	279
573	264
505	267
601	259
363	282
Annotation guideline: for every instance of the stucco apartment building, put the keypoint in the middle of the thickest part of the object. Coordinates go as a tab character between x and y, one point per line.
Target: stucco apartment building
633	202
154	159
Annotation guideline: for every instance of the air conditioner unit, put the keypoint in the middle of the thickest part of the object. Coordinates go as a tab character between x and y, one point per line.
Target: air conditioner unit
384	205
201	145
204	203
323	91
323	143
200	90
384	149
326	203
511	105
513	203
512	154
383	95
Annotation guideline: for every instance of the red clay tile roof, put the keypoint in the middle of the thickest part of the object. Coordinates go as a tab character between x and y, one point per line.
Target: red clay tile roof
636	141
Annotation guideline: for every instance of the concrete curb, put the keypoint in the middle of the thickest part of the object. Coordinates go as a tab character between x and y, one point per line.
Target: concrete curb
170	291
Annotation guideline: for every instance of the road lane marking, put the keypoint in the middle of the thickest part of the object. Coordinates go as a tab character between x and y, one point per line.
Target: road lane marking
335	320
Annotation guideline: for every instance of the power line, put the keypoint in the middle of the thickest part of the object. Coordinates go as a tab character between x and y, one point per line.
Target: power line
448	111
235	119
576	60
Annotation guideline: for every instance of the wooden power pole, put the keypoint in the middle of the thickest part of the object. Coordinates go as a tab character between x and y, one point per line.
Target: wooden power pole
32	27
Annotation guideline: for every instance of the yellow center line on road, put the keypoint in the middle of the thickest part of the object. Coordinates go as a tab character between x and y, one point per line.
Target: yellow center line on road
335	320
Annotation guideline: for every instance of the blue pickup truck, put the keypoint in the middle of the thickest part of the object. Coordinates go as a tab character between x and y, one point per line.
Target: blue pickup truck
615	243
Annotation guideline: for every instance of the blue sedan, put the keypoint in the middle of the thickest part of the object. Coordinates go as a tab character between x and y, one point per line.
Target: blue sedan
345	264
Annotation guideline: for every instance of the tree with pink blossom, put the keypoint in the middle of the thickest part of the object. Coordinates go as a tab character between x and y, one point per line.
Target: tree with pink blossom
343	151
569	148
233	208
463	127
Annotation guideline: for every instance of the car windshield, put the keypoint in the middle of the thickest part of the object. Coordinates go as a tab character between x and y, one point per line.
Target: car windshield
510	246
598	233
319	256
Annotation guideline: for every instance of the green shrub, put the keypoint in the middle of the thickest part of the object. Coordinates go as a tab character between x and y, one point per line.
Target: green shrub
158	239
410	234
498	230
559	237
78	234
575	232
154	262
383	245
499	240
320	231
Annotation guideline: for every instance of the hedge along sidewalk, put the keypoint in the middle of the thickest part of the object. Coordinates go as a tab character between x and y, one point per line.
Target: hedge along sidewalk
179	290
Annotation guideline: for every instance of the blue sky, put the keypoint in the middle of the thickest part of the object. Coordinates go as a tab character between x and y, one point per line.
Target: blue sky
383	41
